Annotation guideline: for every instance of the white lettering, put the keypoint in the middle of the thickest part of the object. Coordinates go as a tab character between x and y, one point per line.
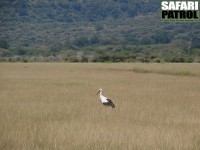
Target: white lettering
172	6
190	5
196	5
164	5
180	5
183	6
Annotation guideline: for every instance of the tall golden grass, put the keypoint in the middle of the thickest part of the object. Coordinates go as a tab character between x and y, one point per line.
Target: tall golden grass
53	106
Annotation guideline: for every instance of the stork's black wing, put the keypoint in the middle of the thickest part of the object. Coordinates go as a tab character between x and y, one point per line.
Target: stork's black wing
110	103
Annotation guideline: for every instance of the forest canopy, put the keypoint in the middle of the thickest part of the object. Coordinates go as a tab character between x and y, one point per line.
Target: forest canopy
95	30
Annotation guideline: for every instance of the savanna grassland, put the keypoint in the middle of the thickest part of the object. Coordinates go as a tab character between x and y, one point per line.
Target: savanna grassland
53	106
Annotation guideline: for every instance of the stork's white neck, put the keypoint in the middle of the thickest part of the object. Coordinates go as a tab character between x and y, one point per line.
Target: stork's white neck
100	93
102	98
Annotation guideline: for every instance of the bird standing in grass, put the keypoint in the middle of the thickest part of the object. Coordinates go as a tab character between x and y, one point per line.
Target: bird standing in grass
104	100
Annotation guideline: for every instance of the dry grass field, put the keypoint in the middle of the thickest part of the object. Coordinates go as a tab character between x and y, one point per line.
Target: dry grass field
53	106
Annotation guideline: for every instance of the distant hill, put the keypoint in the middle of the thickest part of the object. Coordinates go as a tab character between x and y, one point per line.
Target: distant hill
95	30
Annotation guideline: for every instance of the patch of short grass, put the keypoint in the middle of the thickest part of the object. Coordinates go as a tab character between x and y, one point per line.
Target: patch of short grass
166	72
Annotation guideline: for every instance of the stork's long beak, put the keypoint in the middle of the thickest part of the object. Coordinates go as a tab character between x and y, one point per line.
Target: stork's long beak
98	92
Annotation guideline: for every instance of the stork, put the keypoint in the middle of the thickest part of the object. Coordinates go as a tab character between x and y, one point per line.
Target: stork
104	100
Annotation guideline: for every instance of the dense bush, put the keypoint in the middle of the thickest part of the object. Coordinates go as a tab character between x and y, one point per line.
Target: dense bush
4	44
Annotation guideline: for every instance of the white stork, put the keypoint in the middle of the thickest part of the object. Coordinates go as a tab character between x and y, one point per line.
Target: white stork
105	100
